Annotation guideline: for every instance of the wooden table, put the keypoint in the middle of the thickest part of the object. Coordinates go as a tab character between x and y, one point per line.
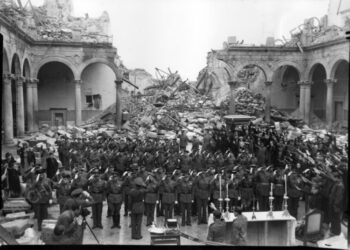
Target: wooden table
166	238
263	231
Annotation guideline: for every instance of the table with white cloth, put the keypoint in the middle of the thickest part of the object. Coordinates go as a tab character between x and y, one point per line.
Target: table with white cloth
263	231
337	242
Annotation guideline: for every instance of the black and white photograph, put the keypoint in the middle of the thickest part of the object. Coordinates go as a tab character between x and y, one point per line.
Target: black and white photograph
219	123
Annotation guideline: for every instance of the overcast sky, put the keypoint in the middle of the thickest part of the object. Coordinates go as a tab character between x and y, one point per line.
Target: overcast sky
179	33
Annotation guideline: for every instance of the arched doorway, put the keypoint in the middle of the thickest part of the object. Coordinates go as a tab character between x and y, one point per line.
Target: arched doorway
285	91
16	70
341	92
98	89
56	94
26	74
252	77
318	91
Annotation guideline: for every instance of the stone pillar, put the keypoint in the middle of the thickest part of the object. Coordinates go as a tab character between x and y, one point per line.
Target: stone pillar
330	107
29	104
19	106
35	105
8	115
232	107
307	101
118	106
77	102
268	102
302	100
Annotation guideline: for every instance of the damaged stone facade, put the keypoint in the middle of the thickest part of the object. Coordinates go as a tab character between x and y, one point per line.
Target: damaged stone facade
309	73
48	59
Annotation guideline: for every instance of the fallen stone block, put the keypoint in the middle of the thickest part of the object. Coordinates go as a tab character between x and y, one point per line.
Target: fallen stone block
50	133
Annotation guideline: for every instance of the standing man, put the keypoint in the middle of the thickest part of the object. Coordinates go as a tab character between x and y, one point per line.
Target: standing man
136	205
336	203
151	198
239	227
43	191
115	197
97	188
294	194
63	187
186	199
278	191
169	197
201	183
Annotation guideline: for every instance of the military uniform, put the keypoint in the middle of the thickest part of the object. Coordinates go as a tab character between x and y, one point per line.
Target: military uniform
202	194
115	198
293	194
97	188
247	192
168	198
239	228
262	190
234	193
43	191
336	206
151	199
186	197
136	196
278	191
217	231
64	188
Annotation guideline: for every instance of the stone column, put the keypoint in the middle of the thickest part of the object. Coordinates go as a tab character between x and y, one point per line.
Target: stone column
232	107
302	100
35	105
118	106
29	104
8	115
329	108
77	102
19	106
268	102
307	98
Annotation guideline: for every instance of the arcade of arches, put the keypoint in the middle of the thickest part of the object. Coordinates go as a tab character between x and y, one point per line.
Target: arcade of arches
55	97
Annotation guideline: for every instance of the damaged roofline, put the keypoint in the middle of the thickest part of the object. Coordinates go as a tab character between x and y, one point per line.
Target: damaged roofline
13	27
286	49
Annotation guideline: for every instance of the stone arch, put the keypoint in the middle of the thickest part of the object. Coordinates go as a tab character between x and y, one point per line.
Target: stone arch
334	65
5	61
310	70
318	75
15	65
228	68
287	63
66	62
262	67
26	68
97	60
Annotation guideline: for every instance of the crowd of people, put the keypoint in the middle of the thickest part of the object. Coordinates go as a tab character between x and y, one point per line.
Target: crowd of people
154	177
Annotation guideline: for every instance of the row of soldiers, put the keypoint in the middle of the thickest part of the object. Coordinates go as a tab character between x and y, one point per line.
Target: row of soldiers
186	182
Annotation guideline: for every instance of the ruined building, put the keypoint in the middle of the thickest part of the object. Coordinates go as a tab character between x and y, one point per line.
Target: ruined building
307	76
57	69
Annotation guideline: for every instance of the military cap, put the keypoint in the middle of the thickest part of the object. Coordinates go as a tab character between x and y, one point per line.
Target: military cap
66	174
95	171
76	192
139	182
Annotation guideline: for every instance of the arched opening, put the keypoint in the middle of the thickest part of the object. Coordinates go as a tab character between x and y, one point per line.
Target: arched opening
98	90
285	91
16	70
56	94
252	77
341	93
26	74
318	91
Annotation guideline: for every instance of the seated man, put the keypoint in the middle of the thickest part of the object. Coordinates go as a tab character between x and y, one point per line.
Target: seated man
68	230
217	229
